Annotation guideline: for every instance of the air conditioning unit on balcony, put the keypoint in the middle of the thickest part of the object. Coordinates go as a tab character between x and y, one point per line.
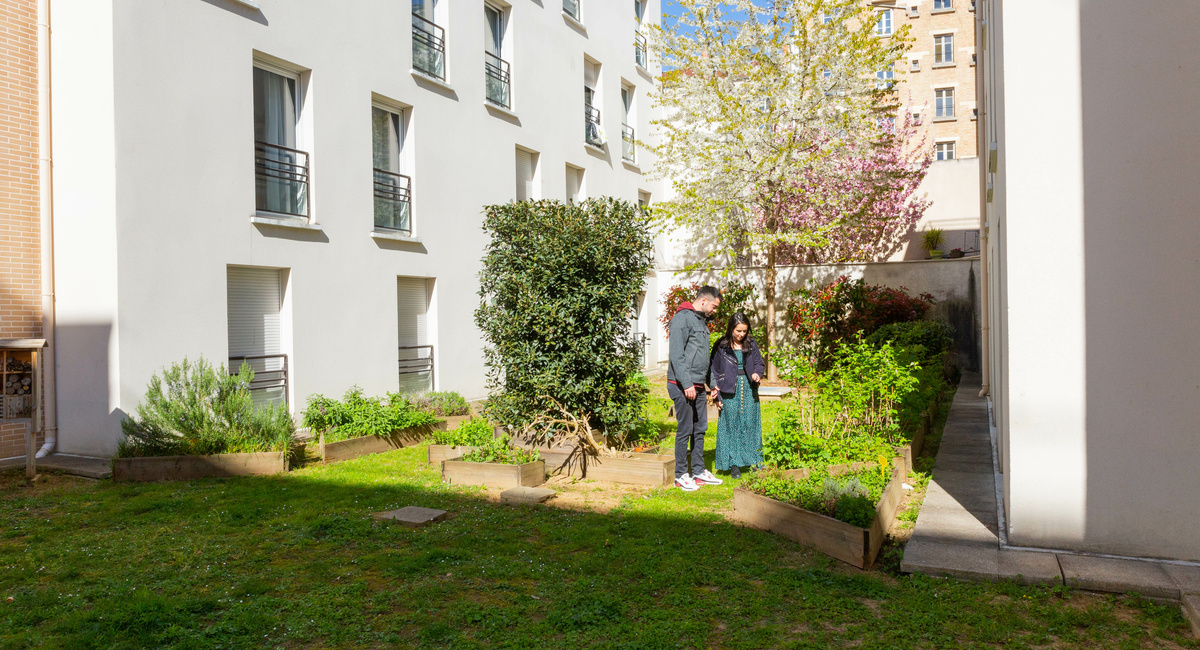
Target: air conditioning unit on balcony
916	65
915	11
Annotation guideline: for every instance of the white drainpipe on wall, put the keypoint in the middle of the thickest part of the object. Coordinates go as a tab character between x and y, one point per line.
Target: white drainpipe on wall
984	222
46	186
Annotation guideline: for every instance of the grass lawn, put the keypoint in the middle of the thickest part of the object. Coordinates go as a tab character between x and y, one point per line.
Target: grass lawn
297	561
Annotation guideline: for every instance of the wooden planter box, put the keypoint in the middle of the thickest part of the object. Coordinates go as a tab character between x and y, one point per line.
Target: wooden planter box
439	453
183	468
850	544
332	452
494	475
636	469
452	421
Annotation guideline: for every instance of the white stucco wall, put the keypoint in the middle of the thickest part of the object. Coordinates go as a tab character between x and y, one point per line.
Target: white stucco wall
155	181
1098	377
952	189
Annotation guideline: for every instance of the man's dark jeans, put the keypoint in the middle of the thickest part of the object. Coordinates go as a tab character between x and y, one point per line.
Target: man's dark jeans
692	416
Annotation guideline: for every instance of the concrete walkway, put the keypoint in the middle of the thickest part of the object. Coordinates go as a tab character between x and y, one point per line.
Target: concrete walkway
84	466
956	534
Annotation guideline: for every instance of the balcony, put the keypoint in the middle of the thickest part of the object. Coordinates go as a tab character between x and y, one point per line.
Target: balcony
497	78
429	48
639	49
393	204
280	179
628	146
592	133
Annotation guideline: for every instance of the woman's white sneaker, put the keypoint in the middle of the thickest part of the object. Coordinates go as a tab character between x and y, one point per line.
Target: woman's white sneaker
686	483
706	478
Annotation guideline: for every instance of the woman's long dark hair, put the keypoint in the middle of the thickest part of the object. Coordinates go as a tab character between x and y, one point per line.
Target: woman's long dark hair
739	318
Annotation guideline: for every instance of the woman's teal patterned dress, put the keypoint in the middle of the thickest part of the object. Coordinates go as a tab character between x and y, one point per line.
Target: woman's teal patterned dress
739	429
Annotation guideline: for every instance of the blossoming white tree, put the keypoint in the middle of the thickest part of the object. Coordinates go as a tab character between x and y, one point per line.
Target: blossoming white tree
754	96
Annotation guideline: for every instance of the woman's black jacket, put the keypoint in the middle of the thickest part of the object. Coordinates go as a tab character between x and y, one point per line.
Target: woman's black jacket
722	365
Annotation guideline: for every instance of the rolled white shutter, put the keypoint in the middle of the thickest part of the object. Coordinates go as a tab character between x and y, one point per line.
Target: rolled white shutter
524	175
591	74
253	298
412	307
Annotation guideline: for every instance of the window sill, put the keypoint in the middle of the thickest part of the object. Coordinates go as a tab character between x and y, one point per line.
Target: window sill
421	76
574	22
644	72
394	235
948	118
944	65
279	221
253	4
935	12
501	110
596	148
631	165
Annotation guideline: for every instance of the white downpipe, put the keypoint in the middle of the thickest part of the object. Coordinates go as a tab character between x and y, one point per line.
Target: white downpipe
46	203
984	222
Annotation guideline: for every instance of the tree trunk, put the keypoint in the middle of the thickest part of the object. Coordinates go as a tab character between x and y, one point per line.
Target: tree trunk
772	371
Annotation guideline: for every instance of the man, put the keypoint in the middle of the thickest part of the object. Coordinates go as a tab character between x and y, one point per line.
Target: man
687	374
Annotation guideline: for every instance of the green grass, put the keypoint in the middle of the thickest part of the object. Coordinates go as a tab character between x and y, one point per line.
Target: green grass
297	561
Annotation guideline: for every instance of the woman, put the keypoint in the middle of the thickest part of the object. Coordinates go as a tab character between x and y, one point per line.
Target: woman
735	368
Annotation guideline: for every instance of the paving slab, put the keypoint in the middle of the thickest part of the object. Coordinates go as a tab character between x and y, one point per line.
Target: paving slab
951	560
412	516
526	495
1191	611
1029	567
1117	575
1186	577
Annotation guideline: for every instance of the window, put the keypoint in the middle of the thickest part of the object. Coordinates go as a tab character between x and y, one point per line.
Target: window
496	70
571	8
887	78
939	5
254	300
280	168
628	135
945	150
943	48
428	40
593	134
884	26
527	184
639	39
574	184
415	354
393	190
943	102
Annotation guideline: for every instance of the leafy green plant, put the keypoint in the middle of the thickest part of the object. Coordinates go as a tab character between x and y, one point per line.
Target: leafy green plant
795	443
926	340
933	238
556	289
501	450
473	432
196	409
441	403
357	415
850	497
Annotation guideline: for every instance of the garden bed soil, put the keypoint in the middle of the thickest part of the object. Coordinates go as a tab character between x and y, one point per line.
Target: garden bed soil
333	452
439	453
183	468
851	544
495	475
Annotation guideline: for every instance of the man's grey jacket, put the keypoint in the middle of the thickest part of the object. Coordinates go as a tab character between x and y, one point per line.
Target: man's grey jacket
688	339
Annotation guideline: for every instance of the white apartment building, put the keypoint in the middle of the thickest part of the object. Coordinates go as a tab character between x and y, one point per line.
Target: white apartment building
1091	334
300	183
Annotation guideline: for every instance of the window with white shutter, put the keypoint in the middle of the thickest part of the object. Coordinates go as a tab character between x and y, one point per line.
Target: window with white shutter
574	184
526	174
254	296
416	349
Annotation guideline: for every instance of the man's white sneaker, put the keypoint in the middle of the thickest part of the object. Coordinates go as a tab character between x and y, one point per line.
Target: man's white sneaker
706	478
686	483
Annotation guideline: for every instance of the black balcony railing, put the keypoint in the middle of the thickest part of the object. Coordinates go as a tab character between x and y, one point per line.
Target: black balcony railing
270	383
416	368
280	179
591	126
429	47
497	79
639	49
628	148
393	201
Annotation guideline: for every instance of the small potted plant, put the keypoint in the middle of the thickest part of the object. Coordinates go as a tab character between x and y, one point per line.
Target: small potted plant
931	239
955	253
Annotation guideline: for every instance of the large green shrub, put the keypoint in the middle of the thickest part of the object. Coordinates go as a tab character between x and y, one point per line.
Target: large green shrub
356	415
557	289
925	339
195	409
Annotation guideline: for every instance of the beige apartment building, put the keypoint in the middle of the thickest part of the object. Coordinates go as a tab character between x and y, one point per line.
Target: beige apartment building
935	83
20	274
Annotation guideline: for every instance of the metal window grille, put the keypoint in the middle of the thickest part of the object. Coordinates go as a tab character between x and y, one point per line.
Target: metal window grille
393	201
628	147
416	368
281	179
591	126
639	49
270	381
497	80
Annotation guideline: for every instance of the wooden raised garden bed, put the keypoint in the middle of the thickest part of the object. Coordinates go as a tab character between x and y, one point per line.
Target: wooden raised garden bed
183	468
630	468
332	452
439	453
850	544
495	475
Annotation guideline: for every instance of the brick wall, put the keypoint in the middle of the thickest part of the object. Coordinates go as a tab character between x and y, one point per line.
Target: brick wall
20	278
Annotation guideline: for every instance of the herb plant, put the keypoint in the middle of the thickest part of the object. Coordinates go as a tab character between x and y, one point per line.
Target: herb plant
850	497
441	403
472	433
501	450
